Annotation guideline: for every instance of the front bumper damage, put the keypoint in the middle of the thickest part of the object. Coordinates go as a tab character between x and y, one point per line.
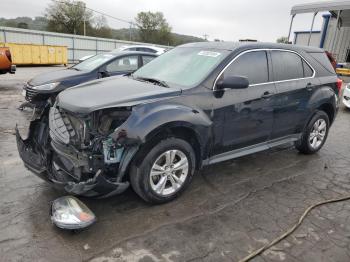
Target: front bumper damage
77	173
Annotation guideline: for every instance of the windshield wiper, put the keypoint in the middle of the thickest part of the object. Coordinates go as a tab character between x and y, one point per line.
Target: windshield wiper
152	80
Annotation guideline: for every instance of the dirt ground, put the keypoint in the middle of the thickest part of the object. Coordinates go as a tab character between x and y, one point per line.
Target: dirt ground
229	210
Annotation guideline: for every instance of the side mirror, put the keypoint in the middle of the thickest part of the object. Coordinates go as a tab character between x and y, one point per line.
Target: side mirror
103	73
232	82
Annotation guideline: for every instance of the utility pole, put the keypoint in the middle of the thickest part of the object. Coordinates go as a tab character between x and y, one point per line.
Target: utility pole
130	28
205	37
84	26
84	18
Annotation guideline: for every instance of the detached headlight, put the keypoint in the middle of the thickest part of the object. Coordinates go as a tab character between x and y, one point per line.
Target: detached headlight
49	86
69	212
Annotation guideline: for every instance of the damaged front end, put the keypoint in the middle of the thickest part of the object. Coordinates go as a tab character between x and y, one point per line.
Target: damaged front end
77	152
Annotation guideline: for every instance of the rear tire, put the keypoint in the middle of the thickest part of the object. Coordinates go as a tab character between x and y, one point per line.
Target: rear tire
315	134
161	173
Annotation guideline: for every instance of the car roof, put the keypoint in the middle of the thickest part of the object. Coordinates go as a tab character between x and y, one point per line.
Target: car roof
146	46
123	53
231	46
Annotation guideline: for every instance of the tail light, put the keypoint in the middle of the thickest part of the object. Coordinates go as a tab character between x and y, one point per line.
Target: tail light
8	54
339	84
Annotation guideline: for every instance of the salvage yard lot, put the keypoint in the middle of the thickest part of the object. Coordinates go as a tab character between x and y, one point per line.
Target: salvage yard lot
229	210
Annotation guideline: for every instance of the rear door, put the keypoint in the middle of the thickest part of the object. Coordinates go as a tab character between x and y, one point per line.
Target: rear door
295	82
248	112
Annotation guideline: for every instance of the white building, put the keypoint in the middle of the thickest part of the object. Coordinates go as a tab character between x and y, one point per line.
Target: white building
335	32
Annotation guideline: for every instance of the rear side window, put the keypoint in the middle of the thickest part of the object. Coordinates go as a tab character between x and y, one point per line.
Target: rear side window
308	72
323	60
145	49
252	65
286	65
146	59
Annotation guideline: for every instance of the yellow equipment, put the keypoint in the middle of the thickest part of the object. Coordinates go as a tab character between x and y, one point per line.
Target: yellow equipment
31	54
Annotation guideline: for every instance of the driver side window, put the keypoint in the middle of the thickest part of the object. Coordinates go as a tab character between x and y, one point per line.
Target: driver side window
252	65
126	63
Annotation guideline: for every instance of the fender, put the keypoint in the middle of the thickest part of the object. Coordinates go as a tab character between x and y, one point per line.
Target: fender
146	120
322	96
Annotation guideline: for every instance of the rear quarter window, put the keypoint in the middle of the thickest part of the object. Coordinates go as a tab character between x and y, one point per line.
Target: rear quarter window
323	60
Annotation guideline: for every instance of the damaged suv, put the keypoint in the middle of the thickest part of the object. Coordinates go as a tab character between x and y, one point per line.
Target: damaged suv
195	105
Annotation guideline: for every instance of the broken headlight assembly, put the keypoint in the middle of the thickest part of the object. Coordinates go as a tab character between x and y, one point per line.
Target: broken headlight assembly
68	212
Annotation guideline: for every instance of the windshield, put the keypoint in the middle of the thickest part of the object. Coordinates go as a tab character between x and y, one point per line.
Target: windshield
93	62
182	66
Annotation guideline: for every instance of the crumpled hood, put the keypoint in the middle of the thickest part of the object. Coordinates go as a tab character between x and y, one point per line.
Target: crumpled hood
111	92
55	76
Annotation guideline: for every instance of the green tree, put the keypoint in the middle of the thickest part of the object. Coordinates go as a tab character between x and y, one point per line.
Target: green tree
283	40
22	25
153	28
68	17
101	28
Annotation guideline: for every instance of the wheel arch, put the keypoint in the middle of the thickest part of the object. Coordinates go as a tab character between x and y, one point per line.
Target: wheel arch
180	130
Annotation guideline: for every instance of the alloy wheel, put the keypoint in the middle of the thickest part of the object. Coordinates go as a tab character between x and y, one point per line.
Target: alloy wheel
318	133
169	172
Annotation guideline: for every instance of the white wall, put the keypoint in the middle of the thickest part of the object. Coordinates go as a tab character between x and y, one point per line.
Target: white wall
78	46
339	44
301	38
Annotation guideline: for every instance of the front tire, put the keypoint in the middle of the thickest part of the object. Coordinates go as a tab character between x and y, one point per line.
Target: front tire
315	134
161	173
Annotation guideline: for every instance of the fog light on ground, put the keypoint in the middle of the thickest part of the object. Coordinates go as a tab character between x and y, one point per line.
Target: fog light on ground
68	212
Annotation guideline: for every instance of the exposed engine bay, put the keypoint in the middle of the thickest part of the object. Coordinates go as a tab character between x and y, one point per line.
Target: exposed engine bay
80	153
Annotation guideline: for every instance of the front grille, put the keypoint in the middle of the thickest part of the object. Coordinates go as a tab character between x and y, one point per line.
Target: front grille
30	93
60	128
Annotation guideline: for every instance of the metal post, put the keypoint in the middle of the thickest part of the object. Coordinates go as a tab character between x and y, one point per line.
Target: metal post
335	33
96	46
290	26
73	49
312	26
130	28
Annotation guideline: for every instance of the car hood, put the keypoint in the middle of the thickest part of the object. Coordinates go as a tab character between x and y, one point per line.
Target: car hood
111	92
55	76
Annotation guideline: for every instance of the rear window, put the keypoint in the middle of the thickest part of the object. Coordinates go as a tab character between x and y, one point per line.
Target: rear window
286	65
323	60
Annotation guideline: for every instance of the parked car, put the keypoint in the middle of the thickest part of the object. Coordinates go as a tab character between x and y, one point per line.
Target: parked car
346	96
198	104
46	86
142	48
6	65
81	59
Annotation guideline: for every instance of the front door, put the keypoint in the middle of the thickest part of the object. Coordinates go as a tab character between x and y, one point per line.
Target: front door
248	113
123	65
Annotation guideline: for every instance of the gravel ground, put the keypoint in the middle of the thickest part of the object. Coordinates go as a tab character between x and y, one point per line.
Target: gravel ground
229	210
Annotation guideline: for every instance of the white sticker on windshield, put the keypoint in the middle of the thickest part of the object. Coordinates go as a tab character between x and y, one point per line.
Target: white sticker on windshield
209	53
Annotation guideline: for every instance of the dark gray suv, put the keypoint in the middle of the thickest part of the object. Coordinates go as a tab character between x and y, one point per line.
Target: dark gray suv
195	105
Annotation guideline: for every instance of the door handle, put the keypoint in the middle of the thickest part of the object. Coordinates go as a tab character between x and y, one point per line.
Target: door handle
267	94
